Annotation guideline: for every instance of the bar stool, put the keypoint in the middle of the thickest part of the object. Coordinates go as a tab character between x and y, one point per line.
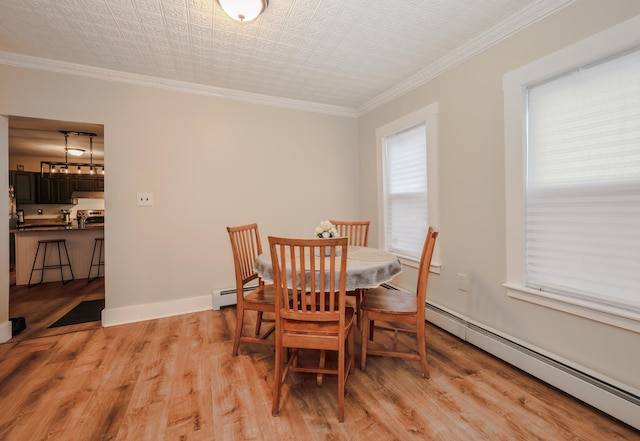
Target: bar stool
98	240
45	267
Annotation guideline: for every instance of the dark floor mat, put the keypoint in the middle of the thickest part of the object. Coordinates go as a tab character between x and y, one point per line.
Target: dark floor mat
87	311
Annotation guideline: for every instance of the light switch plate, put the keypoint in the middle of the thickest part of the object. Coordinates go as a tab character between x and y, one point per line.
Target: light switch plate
144	199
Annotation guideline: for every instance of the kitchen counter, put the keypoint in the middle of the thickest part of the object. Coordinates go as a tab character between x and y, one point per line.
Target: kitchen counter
54	227
79	242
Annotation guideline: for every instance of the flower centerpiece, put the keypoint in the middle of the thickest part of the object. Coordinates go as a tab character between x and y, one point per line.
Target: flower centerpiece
326	229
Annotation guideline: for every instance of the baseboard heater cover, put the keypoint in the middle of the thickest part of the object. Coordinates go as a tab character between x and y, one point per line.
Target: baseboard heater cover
227	297
611	399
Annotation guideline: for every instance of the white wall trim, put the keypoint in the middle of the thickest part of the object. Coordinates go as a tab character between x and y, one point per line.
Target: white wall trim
535	12
29	62
6	331
151	311
616	39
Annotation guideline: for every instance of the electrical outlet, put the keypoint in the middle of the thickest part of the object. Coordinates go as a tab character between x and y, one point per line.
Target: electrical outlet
463	282
144	199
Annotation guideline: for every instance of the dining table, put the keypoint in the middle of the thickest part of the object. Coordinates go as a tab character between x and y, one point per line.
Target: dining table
367	267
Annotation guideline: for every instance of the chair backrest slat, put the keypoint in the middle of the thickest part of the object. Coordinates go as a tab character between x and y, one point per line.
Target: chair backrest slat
246	246
356	231
310	277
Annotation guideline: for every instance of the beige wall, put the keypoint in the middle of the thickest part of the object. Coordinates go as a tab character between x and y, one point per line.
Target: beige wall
209	163
472	194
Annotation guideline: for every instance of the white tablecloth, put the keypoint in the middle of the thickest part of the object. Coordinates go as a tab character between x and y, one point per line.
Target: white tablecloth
366	267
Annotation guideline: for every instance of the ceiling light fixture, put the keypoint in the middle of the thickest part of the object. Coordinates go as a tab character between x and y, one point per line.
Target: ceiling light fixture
75	152
64	166
243	10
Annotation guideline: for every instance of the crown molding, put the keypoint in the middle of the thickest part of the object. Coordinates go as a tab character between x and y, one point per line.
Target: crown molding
531	14
29	62
509	26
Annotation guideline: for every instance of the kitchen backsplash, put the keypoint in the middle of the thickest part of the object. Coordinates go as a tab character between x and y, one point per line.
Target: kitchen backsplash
50	211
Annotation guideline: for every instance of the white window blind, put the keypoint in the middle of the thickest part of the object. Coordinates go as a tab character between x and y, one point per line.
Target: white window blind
405	188
583	184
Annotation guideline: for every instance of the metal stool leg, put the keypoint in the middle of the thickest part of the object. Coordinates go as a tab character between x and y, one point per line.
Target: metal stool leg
93	258
66	251
33	267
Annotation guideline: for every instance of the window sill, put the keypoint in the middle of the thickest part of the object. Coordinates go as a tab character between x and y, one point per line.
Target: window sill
412	263
605	314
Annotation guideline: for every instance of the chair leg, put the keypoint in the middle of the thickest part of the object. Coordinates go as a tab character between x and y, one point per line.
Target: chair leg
341	381
364	337
238	334
359	296
422	349
277	380
352	351
258	323
321	365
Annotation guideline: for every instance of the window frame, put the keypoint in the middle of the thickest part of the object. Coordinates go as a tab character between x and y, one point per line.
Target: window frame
605	44
429	117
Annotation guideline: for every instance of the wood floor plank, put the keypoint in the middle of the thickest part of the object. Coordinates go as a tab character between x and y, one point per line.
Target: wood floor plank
175	379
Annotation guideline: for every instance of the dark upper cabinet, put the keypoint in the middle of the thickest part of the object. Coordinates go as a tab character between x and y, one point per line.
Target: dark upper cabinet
86	183
100	183
55	189
58	189
24	186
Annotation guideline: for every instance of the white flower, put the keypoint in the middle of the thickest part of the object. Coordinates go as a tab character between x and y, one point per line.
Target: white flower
325	230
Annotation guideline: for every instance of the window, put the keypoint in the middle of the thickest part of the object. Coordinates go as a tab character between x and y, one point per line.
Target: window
407	152
573	180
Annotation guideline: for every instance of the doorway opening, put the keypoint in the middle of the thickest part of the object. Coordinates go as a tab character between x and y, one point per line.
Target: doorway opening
45	203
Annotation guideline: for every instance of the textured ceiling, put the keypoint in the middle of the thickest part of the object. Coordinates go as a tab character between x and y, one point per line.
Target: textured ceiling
349	55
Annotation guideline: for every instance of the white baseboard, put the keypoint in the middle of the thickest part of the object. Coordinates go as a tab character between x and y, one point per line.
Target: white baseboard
620	401
151	311
6	331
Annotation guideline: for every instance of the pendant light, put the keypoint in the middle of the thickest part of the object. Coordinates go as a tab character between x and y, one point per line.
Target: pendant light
64	166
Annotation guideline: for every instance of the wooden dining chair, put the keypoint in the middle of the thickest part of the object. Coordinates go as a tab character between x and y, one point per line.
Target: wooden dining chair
246	246
311	312
356	231
396	308
358	234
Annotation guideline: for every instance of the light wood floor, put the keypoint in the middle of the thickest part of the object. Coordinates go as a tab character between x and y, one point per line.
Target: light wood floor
41	305
174	379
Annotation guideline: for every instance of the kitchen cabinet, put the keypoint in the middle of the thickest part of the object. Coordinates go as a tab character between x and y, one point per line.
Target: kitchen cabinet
89	183
55	189
24	186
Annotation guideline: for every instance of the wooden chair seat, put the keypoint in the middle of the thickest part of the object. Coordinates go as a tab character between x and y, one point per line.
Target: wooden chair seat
389	301
328	328
261	295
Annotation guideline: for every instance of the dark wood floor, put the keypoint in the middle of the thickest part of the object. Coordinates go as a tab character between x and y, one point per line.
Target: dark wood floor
175	379
42	305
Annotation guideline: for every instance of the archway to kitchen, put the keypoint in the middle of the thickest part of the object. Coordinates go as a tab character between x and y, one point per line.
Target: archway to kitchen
49	190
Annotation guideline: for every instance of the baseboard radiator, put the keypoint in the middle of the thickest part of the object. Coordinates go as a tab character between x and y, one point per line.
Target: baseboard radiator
613	400
227	297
